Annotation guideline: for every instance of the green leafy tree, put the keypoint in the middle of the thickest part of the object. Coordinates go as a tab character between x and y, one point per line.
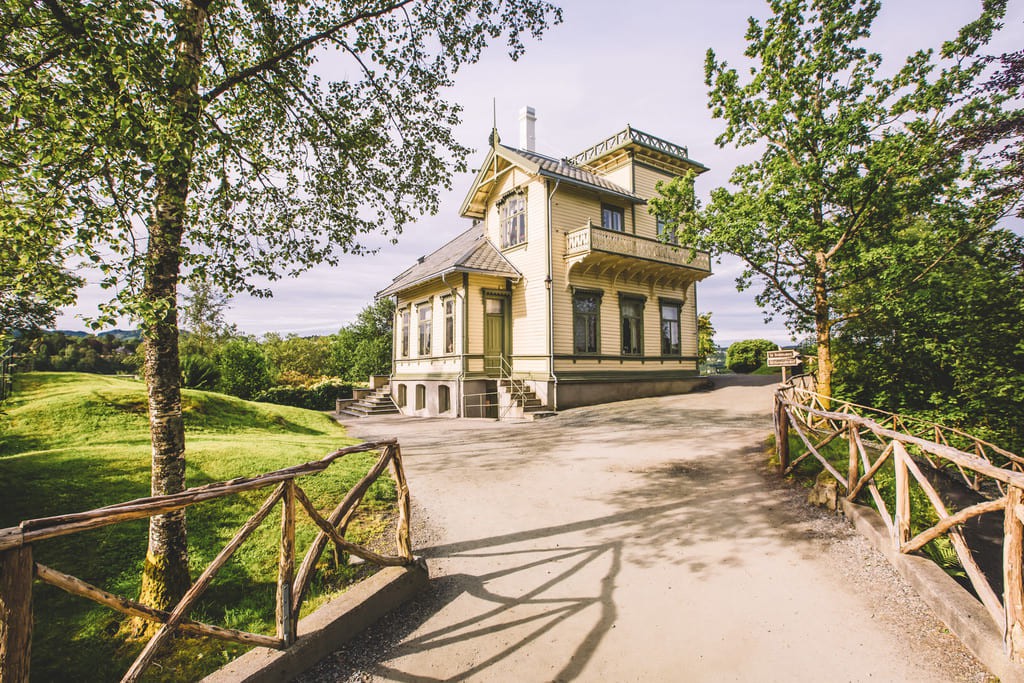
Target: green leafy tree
34	282
851	158
197	139
364	347
204	311
243	368
705	338
745	356
300	360
951	349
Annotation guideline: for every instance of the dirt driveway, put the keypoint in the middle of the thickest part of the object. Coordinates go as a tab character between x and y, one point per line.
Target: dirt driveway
636	541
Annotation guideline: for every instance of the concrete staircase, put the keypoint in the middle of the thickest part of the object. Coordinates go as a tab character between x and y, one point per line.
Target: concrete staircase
517	400
377	403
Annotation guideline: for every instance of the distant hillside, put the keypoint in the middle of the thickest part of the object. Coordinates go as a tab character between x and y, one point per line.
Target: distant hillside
116	334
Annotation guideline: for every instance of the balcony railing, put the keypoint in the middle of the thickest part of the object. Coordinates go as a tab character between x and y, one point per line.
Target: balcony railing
591	238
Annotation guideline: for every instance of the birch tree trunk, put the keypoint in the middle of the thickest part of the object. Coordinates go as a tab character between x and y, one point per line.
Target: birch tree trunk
165	576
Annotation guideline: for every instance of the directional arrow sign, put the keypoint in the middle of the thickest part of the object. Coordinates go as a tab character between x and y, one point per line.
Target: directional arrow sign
783	358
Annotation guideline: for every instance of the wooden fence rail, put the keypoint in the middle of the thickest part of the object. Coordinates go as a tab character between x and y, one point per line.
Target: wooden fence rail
875	438
18	571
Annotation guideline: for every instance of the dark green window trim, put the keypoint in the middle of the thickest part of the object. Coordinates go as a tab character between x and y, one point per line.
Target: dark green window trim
612	214
631	324
586	320
670	328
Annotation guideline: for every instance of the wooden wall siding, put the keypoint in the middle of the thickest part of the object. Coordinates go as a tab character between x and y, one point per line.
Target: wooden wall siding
477	283
646	178
529	314
435	292
621	175
651	366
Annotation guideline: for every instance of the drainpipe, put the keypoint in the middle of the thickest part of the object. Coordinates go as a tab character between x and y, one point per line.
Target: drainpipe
551	306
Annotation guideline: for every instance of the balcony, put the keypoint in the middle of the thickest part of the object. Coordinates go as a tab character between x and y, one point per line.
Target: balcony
592	250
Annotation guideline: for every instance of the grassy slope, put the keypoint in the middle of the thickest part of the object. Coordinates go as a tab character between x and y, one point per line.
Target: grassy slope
71	442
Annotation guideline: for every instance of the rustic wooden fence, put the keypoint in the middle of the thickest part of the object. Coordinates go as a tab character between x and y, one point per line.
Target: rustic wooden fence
18	570
875	437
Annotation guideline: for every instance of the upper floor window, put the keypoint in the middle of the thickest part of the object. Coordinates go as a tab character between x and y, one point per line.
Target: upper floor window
586	321
449	325
425	324
513	220
404	315
665	234
613	217
670	345
631	310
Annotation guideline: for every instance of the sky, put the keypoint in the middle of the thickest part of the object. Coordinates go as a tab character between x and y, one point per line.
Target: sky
607	65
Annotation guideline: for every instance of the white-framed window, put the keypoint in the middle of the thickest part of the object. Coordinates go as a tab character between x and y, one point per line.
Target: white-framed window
513	220
404	317
449	324
425	317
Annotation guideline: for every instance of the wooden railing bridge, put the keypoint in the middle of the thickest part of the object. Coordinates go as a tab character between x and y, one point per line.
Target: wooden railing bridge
18	570
874	438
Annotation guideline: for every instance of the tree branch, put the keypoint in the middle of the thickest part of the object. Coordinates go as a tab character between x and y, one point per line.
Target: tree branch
273	60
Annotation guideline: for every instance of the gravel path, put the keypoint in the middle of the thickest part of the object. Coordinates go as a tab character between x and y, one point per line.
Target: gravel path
636	541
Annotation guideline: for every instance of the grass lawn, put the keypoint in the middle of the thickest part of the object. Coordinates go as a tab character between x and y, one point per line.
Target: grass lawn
71	442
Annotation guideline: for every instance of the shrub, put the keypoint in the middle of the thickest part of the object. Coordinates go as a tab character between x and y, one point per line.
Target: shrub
320	396
748	355
243	368
199	372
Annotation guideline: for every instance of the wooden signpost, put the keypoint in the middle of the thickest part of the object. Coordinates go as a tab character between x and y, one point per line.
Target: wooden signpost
783	358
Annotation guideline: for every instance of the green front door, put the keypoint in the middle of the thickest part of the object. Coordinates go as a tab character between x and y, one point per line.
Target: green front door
494	334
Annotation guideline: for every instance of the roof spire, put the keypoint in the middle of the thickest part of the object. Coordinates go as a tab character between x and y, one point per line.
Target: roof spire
494	139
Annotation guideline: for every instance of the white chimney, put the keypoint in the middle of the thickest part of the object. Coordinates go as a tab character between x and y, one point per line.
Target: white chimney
527	129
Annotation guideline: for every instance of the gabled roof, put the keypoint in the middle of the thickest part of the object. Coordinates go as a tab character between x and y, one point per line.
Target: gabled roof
470	252
501	157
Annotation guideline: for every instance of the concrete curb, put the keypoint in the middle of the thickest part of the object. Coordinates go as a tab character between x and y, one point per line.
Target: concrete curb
958	609
329	627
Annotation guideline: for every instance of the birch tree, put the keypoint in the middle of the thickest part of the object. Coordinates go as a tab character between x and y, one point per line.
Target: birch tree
240	140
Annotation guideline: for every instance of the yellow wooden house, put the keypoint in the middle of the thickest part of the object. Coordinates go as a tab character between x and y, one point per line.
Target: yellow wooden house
565	291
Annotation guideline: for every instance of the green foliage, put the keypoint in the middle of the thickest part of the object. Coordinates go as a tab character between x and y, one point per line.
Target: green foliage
319	396
705	338
265	166
75	442
244	371
951	349
199	372
748	355
300	359
364	348
851	159
108	353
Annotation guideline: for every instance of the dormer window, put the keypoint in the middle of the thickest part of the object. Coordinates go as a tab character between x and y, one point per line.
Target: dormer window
513	220
612	217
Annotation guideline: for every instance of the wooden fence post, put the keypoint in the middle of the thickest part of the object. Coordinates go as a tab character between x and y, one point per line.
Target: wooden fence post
901	525
1013	588
286	620
853	471
782	436
16	574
